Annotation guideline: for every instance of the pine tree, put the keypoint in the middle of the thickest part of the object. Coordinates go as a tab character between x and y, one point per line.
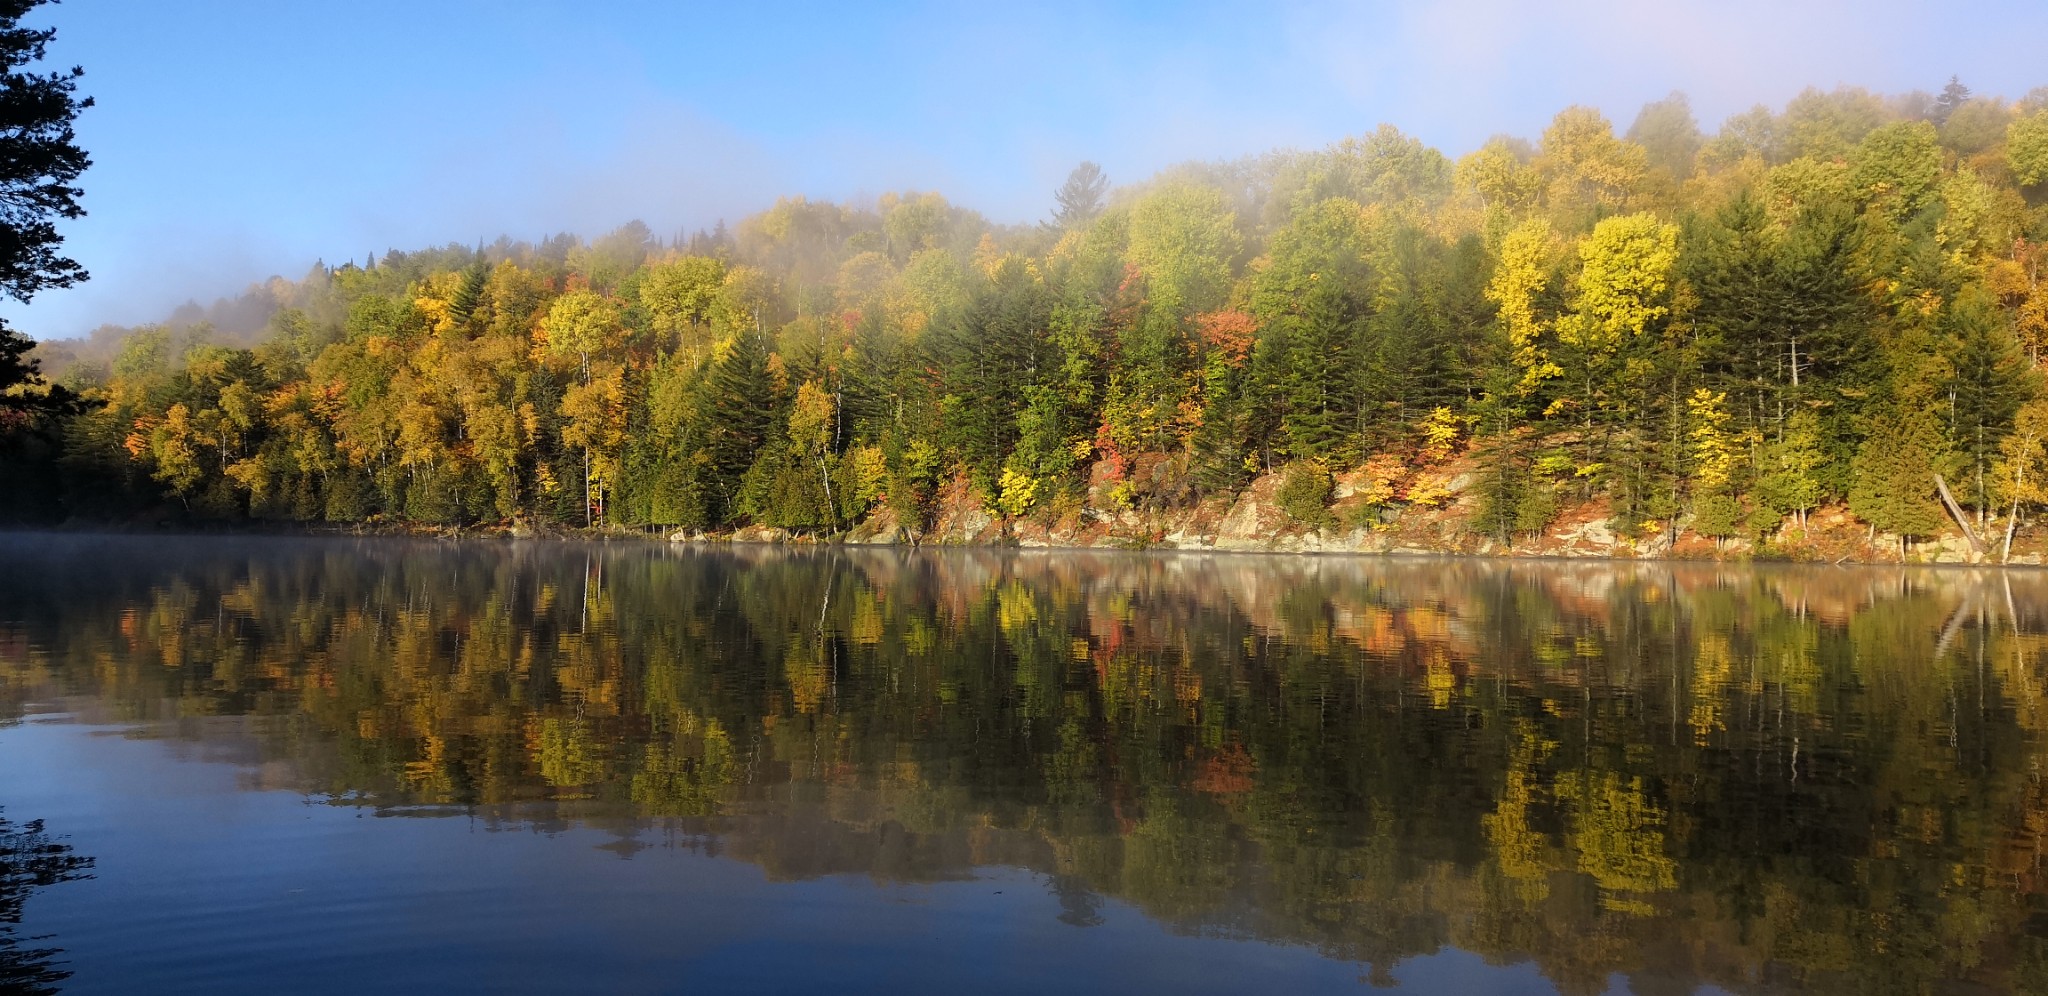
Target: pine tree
1219	445
1718	515
1988	382
988	354
468	293
1511	498
1893	487
39	160
1790	483
1080	198
1779	314
1953	96
741	412
1313	385
1730	261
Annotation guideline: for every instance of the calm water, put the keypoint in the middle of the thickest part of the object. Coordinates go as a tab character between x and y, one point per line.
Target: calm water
342	766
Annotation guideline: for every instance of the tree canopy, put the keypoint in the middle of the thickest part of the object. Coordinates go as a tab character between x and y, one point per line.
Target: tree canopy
1563	302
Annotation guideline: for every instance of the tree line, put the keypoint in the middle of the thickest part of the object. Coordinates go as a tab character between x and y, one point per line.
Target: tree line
1831	303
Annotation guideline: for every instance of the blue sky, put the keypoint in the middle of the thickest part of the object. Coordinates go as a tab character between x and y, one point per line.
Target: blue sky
235	140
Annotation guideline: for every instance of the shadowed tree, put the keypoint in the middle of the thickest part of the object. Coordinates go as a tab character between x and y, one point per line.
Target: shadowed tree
1953	96
39	160
1080	198
1669	134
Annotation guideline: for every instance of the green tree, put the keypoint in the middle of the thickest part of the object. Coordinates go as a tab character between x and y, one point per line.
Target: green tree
1953	96
2026	147
679	294
989	353
1781	314
1895	167
1988	382
1893	486
741	393
1717	514
1307	378
1790	482
1304	493
1183	238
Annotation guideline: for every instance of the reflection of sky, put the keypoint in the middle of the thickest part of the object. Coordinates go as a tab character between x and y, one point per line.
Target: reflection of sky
235	140
205	887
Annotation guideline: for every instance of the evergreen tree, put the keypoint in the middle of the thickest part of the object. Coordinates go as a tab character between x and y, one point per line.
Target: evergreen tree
1791	483
1313	386
1953	96
1730	262
1780	316
468	293
1988	382
1512	500
1079	199
39	161
1893	487
1406	356
1220	445
741	411
988	354
1717	515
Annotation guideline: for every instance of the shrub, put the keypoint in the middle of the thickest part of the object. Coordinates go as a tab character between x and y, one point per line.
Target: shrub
1019	491
1762	521
1305	494
1718	515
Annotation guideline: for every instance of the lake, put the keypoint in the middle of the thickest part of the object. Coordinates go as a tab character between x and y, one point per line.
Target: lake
342	765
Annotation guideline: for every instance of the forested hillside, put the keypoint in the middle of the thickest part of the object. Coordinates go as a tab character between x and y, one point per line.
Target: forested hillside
1830	304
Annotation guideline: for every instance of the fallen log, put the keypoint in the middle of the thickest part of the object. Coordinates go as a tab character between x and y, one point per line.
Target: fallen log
1955	511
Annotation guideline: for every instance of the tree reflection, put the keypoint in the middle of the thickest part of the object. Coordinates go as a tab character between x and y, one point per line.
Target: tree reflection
1761	779
31	859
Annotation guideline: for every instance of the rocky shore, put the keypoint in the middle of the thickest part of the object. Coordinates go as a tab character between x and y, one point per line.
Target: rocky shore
1254	520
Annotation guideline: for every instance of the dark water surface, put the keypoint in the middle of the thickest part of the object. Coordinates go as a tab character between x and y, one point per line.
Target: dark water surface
384	765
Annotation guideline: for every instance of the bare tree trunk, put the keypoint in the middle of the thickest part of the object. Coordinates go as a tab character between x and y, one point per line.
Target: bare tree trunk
831	509
2012	518
2005	555
1955	511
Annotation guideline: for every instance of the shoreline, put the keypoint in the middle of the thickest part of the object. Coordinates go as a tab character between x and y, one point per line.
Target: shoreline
760	538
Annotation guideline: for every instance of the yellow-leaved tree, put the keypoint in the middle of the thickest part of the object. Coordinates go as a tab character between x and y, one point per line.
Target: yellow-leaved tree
810	429
1520	279
580	324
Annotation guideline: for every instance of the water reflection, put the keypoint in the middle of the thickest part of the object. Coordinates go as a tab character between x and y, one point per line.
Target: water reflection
31	859
1767	780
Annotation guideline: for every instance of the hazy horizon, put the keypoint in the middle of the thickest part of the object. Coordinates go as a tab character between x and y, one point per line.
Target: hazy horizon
230	146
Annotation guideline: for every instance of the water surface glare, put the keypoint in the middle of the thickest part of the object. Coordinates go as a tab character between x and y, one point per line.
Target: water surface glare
335	765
